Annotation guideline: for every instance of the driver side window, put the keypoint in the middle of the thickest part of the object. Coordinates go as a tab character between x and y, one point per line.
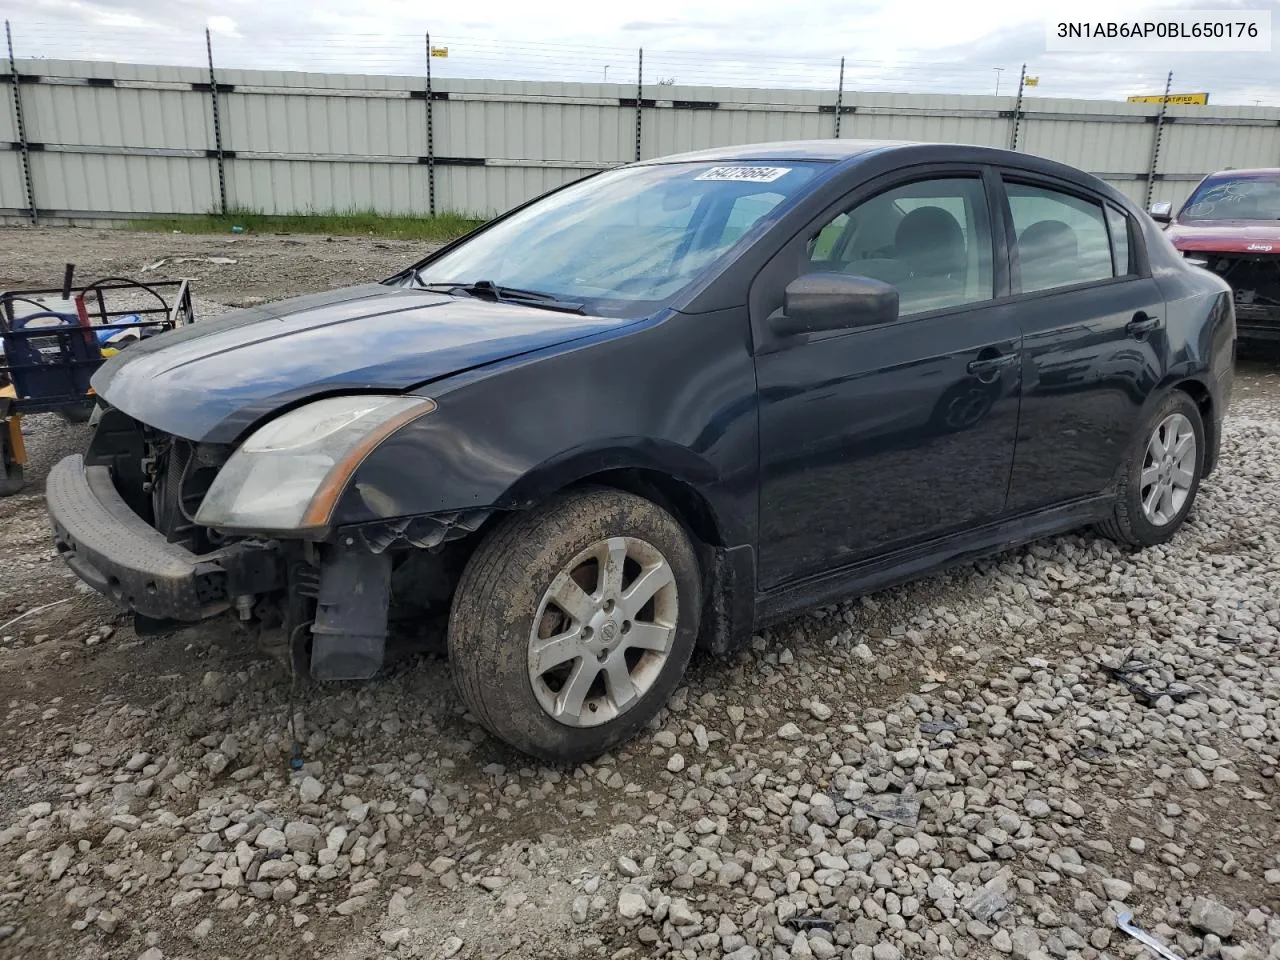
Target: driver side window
930	239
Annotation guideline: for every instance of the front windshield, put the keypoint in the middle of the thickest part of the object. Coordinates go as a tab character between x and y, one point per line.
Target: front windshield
1235	198
626	240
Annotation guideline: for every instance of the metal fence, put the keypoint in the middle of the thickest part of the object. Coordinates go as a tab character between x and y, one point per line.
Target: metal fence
89	141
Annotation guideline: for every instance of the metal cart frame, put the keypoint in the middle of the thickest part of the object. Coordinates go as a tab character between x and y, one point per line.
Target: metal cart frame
46	369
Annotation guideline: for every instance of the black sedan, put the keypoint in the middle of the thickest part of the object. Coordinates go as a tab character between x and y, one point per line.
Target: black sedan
657	409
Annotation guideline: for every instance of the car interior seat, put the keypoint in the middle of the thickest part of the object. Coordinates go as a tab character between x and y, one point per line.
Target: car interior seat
1048	254
930	248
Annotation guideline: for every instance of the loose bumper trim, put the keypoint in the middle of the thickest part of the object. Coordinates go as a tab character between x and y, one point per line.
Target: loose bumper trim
116	552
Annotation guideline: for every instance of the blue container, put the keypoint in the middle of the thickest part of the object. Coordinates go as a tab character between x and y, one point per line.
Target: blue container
51	362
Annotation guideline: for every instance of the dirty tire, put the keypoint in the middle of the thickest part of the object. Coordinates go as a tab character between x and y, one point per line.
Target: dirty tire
1128	524
77	414
11	473
11	479
499	594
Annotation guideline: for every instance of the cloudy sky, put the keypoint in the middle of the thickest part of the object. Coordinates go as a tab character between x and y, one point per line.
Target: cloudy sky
907	45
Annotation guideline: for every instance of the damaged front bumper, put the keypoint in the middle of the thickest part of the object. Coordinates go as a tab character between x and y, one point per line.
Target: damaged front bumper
120	555
1257	321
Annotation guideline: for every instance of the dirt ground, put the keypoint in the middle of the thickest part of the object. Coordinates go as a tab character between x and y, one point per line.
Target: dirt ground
148	809
265	267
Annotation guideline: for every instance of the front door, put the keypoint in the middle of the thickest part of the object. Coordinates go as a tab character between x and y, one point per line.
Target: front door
876	438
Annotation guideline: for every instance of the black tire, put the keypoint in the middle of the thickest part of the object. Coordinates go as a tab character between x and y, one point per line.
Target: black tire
1129	525
11	474
77	414
11	479
501	591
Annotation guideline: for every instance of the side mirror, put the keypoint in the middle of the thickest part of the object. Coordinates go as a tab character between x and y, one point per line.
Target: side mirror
1161	212
833	301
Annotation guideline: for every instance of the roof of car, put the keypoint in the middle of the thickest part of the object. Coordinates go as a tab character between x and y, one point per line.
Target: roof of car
854	152
845	151
788	150
1248	172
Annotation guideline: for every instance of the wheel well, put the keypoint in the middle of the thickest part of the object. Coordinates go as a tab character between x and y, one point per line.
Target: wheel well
442	568
674	496
1198	392
1203	400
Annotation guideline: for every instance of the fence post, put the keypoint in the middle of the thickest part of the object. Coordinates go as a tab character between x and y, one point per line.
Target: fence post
431	139
1155	142
20	123
217	128
639	98
1017	109
839	98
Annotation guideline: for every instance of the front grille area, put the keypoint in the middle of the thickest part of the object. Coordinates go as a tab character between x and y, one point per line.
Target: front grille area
163	478
181	473
1255	280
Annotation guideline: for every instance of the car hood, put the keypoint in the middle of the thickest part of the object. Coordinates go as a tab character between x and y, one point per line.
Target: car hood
213	379
1227	236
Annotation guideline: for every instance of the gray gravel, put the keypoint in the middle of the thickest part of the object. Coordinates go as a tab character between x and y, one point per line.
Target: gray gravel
953	768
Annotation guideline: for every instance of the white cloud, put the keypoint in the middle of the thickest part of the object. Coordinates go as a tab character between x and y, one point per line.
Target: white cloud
221	26
922	45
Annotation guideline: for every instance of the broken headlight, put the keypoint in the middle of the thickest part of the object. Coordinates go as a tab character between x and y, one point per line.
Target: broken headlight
290	472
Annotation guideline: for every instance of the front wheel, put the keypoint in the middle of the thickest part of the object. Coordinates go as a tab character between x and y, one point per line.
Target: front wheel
573	623
1161	475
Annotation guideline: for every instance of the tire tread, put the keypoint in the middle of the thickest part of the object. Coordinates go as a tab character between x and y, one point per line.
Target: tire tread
488	588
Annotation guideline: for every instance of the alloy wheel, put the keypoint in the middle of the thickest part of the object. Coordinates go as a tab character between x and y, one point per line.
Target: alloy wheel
603	631
1168	469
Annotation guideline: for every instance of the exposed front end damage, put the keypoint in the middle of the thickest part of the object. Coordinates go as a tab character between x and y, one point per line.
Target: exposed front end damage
123	520
1255	282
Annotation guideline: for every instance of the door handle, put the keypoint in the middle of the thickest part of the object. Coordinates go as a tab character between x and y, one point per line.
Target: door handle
988	368
1142	324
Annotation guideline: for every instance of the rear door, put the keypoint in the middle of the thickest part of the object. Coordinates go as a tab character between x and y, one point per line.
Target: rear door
877	438
1094	341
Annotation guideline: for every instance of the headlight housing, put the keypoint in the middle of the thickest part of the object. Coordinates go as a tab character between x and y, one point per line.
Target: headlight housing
288	475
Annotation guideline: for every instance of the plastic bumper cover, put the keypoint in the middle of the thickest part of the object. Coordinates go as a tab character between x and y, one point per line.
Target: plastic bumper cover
116	552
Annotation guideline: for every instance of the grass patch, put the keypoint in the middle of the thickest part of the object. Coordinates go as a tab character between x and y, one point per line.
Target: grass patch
445	226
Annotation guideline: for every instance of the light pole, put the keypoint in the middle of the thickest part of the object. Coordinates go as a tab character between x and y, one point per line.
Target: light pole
606	72
998	71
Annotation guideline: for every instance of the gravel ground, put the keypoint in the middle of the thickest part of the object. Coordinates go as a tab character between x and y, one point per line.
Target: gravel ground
953	768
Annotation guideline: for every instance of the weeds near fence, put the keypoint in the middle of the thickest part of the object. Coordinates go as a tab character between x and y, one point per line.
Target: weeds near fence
442	227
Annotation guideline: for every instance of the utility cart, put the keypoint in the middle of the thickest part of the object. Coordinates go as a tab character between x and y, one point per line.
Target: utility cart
54	339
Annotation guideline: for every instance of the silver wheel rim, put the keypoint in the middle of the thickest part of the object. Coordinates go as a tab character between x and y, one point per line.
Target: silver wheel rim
603	631
1168	470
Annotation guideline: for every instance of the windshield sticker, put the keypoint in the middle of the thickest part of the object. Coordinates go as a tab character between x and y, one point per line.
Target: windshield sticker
745	174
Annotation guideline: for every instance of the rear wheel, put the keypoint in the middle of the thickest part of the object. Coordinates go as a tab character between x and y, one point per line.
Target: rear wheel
573	623
1161	475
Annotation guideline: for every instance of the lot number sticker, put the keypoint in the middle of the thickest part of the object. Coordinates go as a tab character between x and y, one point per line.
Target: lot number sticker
745	174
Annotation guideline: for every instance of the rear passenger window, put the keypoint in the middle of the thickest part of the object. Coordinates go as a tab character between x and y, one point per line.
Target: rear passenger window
1120	255
1061	239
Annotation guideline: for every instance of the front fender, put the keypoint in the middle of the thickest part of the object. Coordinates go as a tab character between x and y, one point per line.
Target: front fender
676	399
620	453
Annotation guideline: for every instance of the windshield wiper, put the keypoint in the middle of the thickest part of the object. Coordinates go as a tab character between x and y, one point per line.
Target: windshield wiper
488	290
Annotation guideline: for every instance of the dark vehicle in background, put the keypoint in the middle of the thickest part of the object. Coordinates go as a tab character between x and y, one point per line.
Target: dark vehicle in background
660	408
1231	225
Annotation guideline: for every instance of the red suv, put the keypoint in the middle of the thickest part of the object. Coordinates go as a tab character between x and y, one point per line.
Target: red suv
1231	225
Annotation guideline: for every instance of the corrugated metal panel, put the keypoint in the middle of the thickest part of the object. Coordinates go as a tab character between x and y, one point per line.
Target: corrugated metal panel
295	186
99	119
324	142
123	185
13	195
